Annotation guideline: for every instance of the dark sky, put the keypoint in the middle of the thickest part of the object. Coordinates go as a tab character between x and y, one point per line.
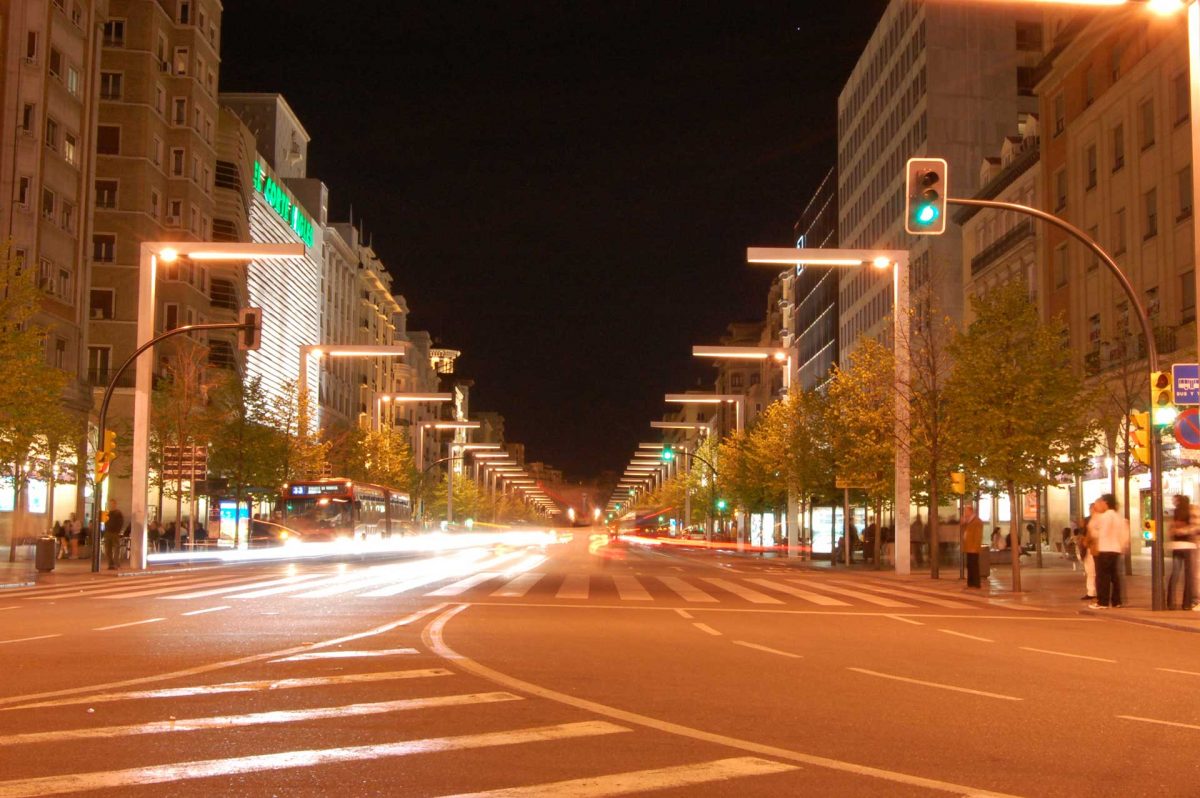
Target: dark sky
564	191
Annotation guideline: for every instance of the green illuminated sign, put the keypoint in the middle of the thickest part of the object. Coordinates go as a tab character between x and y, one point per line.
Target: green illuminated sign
282	204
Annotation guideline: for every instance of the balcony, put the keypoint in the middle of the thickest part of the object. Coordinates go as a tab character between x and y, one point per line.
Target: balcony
992	252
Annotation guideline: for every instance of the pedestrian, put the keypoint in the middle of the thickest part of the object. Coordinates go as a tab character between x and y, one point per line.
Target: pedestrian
154	534
916	540
972	537
60	537
72	529
170	533
1083	550
1108	535
114	527
868	541
1182	543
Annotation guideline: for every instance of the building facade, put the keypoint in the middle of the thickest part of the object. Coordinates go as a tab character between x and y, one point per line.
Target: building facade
809	294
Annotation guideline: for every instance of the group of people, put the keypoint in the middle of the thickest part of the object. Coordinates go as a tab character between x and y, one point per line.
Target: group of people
70	535
162	538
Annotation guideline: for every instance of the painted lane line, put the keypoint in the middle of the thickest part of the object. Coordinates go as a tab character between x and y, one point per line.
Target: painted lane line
28	639
703	627
684	614
373	577
229	663
685	590
410	584
1160	722
575	587
258	718
923	683
89	585
925	598
642	780
288	760
757	647
265	685
967	636
287	580
385	652
53	594
630	589
141	590
434	637
131	623
815	598
13	607
753	596
463	585
1065	654
870	598
1173	670
902	619
208	609
518	587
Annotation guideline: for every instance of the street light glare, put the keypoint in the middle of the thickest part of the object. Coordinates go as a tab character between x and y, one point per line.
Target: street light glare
1166	7
881	262
168	255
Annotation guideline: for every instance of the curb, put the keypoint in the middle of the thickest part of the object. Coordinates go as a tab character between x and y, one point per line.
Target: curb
1142	621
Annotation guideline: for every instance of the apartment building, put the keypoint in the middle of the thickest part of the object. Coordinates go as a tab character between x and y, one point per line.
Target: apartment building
809	294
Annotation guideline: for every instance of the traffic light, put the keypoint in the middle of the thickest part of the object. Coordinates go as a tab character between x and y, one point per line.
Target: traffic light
105	455
668	453
250	335
925	189
1148	529
721	505
1139	436
958	482
1162	394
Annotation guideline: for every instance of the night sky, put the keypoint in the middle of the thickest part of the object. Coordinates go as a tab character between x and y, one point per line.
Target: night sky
564	191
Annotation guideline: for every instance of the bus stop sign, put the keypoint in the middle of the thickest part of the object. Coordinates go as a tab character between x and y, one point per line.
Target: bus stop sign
1186	383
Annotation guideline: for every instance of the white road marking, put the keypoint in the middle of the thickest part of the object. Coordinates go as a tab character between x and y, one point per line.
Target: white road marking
912	596
1065	654
684	614
434	636
967	636
433	569
753	596
870	598
207	610
28	639
815	598
630	589
287	580
518	587
265	685
1160	722
131	623
287	760
463	585
642	780
923	683
383	652
902	619
757	647
141	590
1173	670
258	718
574	587
703	627
13	607
686	590
326	580
88	591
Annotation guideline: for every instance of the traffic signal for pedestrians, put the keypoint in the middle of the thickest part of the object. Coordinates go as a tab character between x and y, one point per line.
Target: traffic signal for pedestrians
1148	529
105	455
958	482
925	189
1162	393
250	335
668	453
1139	436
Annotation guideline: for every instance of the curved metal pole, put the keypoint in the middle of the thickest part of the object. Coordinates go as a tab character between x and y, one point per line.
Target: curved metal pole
1158	559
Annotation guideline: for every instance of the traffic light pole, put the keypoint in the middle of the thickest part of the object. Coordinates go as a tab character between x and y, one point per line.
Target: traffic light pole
102	420
1158	558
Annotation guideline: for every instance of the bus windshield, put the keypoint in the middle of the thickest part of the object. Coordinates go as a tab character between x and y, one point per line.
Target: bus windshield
320	512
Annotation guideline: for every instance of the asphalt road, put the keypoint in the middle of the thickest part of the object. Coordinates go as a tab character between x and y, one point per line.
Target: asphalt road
580	669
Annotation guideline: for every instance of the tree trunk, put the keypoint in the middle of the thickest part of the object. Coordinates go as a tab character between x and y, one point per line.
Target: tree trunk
931	529
1015	534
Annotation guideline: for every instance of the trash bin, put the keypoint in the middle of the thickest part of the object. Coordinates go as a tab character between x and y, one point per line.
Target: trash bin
46	551
985	562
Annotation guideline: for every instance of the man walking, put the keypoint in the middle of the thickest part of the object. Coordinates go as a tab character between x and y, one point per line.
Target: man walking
113	527
972	542
1109	534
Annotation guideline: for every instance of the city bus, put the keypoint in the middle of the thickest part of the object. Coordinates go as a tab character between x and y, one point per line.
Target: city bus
342	509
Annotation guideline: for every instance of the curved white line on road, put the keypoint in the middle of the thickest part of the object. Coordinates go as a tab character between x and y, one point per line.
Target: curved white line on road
924	683
434	637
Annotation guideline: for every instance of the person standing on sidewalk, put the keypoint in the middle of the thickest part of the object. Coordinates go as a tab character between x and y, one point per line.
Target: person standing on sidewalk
1083	550
972	542
1182	541
113	527
1109	535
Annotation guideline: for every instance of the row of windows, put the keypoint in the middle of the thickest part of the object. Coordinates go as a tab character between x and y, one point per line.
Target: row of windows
887	171
870	77
867	159
115	28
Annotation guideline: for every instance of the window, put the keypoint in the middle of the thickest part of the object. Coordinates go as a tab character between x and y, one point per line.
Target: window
102	303
60	352
70	149
106	193
1187	295
1152	304
1118	245
1146	124
177	161
1091	166
23	185
114	33
49	202
62	283
111	85
68	216
155	203
174	211
1094	329
1118	139
194	220
170	316
31	46
179	110
98	361
108	140
185	12
160	100
51	133
179	63
73	81
104	247
1029	36
1182	99
46	275
1150	204
56	63
1114	62
1060	114
156	152
1183	181
77	14
28	117
1060	266
1060	189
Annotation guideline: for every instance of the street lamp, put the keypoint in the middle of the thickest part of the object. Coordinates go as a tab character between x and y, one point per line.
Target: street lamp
151	253
405	398
777	354
340	350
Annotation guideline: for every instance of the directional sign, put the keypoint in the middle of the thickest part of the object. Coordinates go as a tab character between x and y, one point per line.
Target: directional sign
1187	428
1186	379
842	483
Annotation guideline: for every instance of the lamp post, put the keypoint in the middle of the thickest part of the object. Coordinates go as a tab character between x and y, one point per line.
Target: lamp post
438	426
404	398
150	255
739	402
339	350
897	261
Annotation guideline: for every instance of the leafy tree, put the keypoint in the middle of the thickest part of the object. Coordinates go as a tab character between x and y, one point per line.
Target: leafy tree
1020	414
298	452
237	421
381	456
469	500
178	405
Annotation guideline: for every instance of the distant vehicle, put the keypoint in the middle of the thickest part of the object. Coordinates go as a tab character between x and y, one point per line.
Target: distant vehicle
324	510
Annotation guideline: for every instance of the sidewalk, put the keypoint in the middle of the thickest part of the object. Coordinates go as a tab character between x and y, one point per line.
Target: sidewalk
23	574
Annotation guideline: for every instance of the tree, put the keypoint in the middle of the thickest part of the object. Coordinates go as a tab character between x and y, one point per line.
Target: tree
237	422
298	452
381	456
178	403
1020	415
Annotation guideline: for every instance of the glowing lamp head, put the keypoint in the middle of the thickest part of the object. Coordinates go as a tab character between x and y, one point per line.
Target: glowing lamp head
881	262
168	255
1166	7
780	357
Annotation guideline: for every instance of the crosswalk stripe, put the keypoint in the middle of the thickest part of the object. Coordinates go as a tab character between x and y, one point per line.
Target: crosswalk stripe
87	591
815	598
287	580
287	760
637	781
518	587
362	580
328	579
463	585
870	598
259	718
575	586
921	597
744	592
685	590
630	589
237	687
141	590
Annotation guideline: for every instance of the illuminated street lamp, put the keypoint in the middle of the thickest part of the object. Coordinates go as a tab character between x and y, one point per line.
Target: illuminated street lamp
339	350
405	398
150	255
777	354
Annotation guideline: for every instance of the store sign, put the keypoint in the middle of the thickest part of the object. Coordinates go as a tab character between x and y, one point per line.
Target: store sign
282	204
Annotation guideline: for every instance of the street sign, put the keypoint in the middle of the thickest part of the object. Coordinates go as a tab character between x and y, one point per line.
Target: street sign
185	462
1187	429
1186	379
842	483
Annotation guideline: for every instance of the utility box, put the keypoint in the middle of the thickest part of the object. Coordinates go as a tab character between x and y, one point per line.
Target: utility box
45	553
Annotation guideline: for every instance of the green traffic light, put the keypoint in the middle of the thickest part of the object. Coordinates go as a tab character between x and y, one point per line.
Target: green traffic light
668	454
721	504
927	214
